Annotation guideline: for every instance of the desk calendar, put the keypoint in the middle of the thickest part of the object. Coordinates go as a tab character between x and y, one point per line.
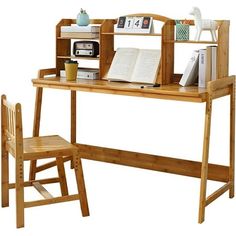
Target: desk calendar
134	24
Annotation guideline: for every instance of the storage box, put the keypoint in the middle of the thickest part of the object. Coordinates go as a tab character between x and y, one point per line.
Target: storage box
182	32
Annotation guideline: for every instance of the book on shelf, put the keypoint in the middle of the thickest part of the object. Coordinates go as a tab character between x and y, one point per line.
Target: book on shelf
82	35
84	73
74	28
207	65
190	74
213	62
135	65
75	31
202	65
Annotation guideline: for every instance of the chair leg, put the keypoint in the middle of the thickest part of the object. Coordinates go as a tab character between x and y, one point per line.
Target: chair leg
5	178
72	121
62	176
36	126
19	193
232	141
80	184
205	156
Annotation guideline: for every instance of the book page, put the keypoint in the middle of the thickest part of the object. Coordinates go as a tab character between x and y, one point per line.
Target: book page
146	67
122	64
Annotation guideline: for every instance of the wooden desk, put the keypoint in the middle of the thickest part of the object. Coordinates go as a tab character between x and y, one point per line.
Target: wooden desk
203	170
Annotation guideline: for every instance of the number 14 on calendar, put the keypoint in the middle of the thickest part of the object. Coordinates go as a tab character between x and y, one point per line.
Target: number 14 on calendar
134	24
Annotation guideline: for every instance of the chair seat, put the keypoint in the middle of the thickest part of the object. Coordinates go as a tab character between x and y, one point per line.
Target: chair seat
46	146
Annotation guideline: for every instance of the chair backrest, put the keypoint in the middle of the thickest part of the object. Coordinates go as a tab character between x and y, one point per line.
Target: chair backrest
11	129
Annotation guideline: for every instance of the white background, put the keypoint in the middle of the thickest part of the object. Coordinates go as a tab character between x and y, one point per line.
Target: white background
122	200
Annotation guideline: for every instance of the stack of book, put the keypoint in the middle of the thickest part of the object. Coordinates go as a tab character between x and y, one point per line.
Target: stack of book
86	32
201	67
84	73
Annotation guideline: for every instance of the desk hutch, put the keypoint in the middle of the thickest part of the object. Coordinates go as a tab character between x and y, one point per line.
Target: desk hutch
169	89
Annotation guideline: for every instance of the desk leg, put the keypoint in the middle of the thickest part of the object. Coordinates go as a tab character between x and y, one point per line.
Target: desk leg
232	141
36	125
73	121
205	156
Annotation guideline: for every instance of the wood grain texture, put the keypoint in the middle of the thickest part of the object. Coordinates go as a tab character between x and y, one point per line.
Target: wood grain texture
153	162
218	193
19	168
46	146
51	164
106	47
36	124
73	117
54	200
223	50
62	176
223	83
167	54
232	140
43	191
205	157
80	183
171	91
41	181
4	156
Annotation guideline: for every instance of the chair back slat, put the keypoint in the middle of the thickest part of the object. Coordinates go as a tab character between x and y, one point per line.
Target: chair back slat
11	123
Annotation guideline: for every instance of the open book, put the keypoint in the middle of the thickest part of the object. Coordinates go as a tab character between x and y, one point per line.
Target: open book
135	65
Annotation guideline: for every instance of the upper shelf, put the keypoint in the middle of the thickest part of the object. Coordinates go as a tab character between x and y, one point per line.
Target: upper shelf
191	41
79	58
133	34
74	37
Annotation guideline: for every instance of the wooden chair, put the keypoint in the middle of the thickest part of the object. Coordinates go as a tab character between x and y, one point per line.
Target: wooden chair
28	149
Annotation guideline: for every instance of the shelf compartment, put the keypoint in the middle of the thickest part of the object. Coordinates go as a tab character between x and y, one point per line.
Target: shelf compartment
191	42
78	38
132	34
79	58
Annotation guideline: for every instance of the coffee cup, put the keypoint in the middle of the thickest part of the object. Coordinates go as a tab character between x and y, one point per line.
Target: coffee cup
71	68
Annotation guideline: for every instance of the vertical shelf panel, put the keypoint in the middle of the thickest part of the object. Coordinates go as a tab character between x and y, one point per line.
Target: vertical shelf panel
106	47
167	53
223	50
62	45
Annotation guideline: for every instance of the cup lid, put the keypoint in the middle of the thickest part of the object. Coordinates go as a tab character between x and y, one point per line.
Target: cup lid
71	62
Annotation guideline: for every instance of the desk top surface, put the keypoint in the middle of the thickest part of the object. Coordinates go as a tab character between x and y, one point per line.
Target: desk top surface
171	91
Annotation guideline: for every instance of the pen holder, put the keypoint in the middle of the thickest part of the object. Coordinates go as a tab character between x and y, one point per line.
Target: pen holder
182	32
71	68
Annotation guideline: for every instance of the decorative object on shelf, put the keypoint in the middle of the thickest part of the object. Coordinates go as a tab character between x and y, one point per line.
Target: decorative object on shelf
71	68
86	48
134	24
82	18
203	24
182	30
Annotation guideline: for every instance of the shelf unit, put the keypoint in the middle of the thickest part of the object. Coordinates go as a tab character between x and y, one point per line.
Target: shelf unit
166	74
63	44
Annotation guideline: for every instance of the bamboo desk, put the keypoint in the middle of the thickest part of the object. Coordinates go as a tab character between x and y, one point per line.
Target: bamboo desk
203	170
